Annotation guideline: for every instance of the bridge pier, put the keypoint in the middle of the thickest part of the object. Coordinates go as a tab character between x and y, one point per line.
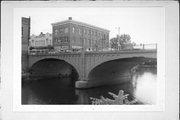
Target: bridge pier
87	84
83	81
82	84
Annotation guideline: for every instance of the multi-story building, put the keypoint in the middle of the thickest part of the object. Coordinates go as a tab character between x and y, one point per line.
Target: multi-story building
75	35
25	41
42	40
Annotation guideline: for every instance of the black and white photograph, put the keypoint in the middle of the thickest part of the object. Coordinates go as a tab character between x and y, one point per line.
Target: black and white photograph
89	58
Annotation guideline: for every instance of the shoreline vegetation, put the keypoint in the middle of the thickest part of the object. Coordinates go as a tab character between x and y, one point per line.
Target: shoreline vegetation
120	99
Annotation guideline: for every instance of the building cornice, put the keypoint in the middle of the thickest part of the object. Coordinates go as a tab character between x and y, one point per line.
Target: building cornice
79	23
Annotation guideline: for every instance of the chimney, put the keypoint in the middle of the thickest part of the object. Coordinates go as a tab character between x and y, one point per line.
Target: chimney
70	18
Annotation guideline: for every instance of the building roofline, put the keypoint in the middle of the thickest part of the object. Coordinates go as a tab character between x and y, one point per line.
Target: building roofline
79	23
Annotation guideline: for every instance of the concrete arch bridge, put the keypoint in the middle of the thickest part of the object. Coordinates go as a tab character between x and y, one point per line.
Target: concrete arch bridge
93	68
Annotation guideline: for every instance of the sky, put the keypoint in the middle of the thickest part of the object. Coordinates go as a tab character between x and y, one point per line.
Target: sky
144	24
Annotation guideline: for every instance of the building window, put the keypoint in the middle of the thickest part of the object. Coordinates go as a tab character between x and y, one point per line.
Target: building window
79	31
61	30
74	39
59	41
56	32
89	32
85	42
66	39
104	36
93	33
56	41
46	42
73	30
89	42
66	30
101	35
85	31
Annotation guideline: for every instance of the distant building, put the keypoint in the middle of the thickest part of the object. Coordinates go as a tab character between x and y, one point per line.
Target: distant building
73	35
42	40
25	41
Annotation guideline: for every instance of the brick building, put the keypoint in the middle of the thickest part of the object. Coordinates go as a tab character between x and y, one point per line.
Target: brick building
25	41
42	40
72	35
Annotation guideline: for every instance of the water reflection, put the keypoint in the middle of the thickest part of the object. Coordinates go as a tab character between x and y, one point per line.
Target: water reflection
84	95
145	87
61	91
52	91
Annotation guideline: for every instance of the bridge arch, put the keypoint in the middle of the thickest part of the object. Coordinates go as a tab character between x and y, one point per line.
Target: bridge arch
110	72
52	66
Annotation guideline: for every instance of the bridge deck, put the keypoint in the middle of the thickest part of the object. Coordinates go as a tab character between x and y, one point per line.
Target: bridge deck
99	52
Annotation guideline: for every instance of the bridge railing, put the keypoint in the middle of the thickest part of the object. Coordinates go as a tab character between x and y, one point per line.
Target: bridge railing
134	47
137	47
145	46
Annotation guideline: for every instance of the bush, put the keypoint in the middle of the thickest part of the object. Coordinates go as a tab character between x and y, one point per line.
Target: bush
119	99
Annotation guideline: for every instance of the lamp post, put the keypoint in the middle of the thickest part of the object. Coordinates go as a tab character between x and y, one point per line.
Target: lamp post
118	43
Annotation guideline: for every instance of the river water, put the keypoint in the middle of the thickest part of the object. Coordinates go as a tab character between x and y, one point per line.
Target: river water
141	87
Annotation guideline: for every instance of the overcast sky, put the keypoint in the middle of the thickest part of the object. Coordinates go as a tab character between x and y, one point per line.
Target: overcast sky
143	24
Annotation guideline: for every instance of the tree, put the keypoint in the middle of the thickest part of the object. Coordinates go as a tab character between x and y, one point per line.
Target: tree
124	39
124	42
114	43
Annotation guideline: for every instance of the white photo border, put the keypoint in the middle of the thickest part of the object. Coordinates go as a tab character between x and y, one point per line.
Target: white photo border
11	111
17	106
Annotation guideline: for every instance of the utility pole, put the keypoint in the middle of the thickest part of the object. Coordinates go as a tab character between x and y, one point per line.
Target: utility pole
118	37
118	30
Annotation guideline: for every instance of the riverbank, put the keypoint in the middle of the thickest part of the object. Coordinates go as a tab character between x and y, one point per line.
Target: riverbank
144	65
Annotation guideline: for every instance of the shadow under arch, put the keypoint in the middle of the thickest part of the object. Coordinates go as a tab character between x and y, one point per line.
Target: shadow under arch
114	71
46	87
52	67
